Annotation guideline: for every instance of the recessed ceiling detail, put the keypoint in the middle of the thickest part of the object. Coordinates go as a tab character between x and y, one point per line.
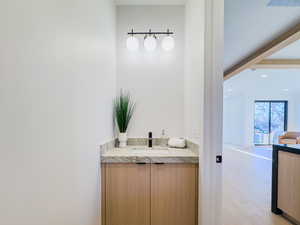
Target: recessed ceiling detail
286	3
150	2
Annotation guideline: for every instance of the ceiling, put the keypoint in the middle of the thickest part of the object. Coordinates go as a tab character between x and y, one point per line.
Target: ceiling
265	81
251	24
280	81
290	3
150	2
290	52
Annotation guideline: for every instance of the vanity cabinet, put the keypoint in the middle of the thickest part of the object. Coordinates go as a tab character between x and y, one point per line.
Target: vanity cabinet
103	194
149	194
174	194
127	200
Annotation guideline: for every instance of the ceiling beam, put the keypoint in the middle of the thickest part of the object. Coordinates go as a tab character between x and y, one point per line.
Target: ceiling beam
277	64
288	37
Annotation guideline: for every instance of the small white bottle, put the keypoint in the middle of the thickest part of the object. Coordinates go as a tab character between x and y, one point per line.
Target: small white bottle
163	141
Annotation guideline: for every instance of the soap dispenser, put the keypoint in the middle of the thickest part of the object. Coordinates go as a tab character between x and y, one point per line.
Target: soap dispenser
163	142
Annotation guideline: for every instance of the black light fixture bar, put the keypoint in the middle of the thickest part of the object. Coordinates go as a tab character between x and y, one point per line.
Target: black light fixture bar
150	33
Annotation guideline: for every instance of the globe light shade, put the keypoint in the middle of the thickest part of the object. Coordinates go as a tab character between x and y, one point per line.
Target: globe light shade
168	43
132	43
150	44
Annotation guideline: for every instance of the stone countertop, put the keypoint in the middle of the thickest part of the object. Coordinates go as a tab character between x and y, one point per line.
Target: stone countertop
143	154
287	148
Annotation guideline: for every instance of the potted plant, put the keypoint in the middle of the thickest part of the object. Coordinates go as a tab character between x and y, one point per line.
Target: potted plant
123	111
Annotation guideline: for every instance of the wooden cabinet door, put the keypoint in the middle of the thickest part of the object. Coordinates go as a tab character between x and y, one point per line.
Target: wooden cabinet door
103	194
127	194
289	184
174	198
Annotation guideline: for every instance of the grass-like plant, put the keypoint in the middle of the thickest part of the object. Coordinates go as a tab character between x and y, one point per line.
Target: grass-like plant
123	110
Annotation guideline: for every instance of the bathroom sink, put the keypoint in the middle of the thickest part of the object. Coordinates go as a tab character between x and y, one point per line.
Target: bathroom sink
141	151
148	151
144	151
145	148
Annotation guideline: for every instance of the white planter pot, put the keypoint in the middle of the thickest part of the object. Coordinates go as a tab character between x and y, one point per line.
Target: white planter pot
123	140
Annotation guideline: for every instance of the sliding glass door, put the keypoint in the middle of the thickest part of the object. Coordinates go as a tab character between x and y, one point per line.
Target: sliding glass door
270	121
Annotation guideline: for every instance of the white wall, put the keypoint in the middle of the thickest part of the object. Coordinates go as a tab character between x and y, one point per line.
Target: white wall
250	86
234	122
156	80
194	70
56	87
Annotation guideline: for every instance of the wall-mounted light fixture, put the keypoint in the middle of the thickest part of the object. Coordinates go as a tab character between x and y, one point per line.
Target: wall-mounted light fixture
168	43
132	43
150	40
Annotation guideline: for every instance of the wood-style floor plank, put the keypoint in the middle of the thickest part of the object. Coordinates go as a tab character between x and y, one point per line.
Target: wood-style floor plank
247	190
